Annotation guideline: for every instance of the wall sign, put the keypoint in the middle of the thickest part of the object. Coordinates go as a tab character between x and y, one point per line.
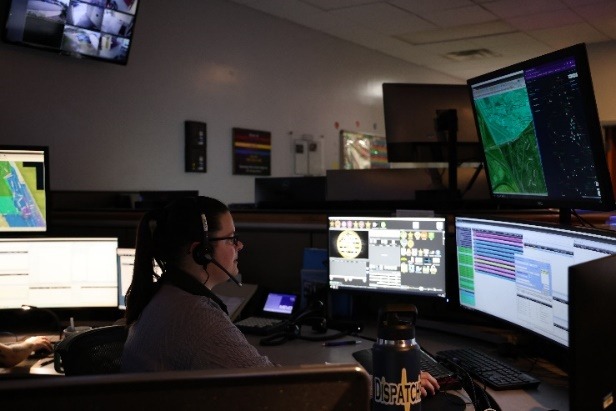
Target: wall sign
252	152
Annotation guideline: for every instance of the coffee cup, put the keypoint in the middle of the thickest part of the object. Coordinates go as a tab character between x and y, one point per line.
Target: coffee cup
69	331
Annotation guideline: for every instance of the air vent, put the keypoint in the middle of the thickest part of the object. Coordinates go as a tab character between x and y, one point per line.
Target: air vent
475	54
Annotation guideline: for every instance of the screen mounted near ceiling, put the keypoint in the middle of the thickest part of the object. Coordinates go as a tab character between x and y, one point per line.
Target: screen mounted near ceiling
97	29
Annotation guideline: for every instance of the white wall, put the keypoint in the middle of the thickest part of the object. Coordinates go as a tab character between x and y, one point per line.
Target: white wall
121	127
602	57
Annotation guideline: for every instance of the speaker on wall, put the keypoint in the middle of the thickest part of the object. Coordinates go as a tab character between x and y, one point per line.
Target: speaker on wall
196	146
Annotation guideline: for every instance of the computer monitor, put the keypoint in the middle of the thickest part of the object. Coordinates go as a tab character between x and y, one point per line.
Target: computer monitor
411	130
101	29
126	264
592	307
518	271
538	124
404	255
58	272
24	189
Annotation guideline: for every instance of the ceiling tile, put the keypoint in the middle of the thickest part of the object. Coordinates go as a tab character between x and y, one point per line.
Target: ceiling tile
459	16
457	33
600	10
503	41
511	8
560	37
545	20
383	18
607	27
575	3
286	9
519	51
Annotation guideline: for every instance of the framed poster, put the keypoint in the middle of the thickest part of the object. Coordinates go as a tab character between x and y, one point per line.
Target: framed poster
252	152
360	151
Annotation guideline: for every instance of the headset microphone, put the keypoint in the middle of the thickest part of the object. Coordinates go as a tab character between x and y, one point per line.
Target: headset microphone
235	280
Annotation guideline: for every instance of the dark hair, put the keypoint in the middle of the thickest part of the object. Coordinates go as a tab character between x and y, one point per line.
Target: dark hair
162	236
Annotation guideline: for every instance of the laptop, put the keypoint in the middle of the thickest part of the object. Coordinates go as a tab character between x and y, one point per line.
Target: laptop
276	310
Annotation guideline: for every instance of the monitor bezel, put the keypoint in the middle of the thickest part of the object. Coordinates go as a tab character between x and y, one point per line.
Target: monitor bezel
595	136
46	163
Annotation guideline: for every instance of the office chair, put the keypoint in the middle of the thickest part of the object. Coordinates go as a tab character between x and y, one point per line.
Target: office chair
96	351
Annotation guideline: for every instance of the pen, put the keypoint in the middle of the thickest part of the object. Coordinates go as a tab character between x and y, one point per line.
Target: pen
337	343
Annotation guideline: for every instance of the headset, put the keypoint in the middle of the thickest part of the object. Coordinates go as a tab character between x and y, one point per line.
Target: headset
203	254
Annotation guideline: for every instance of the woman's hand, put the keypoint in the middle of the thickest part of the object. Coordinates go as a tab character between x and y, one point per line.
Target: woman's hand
428	384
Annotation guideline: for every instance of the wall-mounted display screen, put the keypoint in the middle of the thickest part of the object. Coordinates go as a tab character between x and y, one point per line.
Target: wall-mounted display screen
23	189
100	29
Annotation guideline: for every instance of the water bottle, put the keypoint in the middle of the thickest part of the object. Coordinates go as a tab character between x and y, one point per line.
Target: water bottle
395	361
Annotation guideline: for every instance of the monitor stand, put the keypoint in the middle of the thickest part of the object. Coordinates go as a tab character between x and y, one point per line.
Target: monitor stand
564	216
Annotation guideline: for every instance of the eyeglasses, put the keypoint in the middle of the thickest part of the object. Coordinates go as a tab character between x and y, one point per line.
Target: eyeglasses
234	239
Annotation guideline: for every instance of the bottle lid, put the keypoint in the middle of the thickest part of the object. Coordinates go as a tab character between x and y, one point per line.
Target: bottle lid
397	322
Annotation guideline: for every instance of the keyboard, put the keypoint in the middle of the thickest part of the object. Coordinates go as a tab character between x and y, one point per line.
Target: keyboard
260	325
445	377
491	371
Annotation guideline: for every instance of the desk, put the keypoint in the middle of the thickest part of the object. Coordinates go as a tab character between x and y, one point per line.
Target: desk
31	367
552	393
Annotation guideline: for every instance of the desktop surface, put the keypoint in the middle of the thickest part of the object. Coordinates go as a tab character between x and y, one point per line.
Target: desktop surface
552	394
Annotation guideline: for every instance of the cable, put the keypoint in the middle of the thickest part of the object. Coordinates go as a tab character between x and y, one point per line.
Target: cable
472	391
581	219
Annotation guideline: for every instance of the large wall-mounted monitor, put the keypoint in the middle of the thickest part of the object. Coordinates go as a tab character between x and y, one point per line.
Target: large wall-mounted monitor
538	124
24	189
58	272
410	122
517	272
404	255
98	29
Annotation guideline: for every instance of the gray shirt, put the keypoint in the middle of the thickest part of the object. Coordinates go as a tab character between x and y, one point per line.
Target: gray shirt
181	331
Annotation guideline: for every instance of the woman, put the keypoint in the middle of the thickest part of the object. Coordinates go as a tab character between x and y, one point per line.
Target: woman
177	322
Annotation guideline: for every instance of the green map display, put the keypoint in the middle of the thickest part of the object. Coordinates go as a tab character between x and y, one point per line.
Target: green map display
512	154
22	204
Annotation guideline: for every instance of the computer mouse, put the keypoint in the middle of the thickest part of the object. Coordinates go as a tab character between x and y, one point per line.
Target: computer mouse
40	353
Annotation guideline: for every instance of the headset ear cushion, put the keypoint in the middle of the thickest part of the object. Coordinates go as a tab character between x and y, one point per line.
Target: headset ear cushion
202	254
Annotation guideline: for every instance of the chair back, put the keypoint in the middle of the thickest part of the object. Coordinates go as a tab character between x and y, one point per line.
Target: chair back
96	351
